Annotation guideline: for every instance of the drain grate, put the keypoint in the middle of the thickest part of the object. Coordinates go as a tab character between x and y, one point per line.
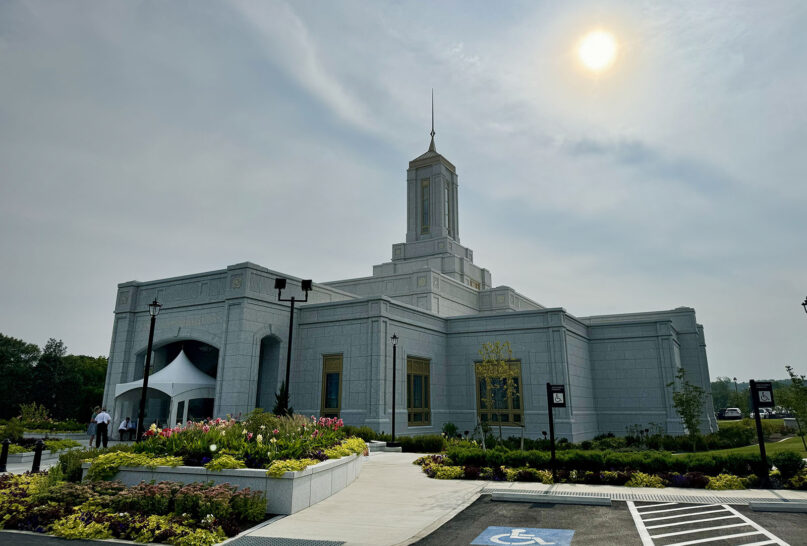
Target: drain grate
636	497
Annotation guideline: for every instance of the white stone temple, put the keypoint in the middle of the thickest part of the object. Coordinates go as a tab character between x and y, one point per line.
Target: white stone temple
221	341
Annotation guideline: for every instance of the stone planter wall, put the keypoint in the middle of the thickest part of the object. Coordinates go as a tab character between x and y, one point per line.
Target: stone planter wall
78	436
288	494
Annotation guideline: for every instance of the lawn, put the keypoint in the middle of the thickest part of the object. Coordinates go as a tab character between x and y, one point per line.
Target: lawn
771	448
739	422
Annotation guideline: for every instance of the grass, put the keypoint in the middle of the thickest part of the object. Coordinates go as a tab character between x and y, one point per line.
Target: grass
771	448
739	422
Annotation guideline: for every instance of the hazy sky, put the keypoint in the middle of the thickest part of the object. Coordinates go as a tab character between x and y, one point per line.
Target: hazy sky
142	140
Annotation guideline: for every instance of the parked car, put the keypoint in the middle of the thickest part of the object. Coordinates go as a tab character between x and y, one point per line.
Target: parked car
764	413
732	413
721	414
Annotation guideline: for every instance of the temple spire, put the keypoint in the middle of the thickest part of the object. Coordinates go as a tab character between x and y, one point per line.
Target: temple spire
431	145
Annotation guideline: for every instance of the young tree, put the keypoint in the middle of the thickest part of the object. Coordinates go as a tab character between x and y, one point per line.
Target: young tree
795	399
497	373
688	400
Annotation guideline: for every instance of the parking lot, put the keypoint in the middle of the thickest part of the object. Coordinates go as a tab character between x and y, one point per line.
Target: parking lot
624	523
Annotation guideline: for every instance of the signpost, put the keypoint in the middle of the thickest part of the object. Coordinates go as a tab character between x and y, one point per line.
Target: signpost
761	397
555	398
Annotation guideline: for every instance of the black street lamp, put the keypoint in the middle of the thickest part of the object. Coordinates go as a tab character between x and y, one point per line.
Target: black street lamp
735	385
394	340
804	304
280	284
154	310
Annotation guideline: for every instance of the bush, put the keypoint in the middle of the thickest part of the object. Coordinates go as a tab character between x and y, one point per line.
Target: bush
789	463
224	462
640	479
278	468
443	472
450	430
364	432
429	443
723	482
11	430
70	462
106	465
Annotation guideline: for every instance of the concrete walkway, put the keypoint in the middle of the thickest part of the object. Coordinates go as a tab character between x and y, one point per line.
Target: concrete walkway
391	502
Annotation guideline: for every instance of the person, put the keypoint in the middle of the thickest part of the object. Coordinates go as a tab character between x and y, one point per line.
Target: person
124	427
102	421
92	427
132	430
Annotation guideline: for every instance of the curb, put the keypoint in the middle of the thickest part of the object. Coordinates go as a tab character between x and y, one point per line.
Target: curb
792	506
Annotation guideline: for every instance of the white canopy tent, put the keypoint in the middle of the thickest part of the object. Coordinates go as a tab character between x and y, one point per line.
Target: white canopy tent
180	380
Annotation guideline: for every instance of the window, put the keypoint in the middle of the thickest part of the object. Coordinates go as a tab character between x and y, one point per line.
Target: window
447	223
331	385
424	206
500	406
417	392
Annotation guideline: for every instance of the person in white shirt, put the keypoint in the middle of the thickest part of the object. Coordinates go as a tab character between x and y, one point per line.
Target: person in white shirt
102	421
124	427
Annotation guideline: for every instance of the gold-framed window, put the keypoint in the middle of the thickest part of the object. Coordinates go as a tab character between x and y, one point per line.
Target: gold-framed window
331	385
503	406
425	190
418	404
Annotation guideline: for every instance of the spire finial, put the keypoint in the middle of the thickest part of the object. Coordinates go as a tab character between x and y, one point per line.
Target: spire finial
431	145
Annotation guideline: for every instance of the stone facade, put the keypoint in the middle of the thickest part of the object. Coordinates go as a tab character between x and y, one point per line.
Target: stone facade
442	307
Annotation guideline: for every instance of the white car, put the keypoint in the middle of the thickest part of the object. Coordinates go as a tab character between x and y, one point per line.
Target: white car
733	413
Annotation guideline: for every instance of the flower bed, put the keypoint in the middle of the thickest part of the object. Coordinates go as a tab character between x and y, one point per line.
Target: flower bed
648	469
295	461
285	493
23	452
173	513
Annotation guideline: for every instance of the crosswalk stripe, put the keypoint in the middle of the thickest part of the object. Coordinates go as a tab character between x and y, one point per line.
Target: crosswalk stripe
654	505
701	530
685	515
679	509
714	539
689	522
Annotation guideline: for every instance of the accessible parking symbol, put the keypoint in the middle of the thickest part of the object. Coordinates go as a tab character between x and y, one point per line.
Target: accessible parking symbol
515	536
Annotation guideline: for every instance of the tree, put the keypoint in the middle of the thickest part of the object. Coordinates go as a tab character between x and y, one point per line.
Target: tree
688	402
722	390
17	361
795	399
498	375
282	401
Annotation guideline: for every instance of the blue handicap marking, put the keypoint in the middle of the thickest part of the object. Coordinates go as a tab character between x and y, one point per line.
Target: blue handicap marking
515	536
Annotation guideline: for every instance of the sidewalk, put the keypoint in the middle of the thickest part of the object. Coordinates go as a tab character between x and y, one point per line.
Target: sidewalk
393	502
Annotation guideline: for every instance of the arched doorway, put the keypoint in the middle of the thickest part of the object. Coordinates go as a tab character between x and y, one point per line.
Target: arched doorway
268	363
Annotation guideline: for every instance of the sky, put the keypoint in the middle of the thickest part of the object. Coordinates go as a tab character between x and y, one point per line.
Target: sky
143	140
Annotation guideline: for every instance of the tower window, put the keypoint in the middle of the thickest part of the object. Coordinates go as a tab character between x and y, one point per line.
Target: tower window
424	205
447	223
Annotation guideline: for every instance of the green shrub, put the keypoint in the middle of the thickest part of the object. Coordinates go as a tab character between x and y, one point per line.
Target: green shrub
429	443
443	472
640	479
449	429
278	468
74	527
106	465
725	481
70	462
11	430
364	432
223	462
249	505
789	463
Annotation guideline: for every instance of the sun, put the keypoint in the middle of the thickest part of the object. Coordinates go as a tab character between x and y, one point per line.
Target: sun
597	50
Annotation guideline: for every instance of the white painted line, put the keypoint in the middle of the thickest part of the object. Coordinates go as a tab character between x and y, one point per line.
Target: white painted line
655	505
758	543
714	539
689	522
762	530
687	515
701	530
637	520
692	507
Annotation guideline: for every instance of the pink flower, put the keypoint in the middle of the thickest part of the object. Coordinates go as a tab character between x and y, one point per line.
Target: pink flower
249	437
275	431
205	429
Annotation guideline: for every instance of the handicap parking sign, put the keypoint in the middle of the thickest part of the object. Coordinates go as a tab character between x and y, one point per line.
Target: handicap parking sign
515	536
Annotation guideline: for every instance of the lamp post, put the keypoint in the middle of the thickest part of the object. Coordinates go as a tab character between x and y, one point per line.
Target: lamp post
154	310
735	385
394	340
280	284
